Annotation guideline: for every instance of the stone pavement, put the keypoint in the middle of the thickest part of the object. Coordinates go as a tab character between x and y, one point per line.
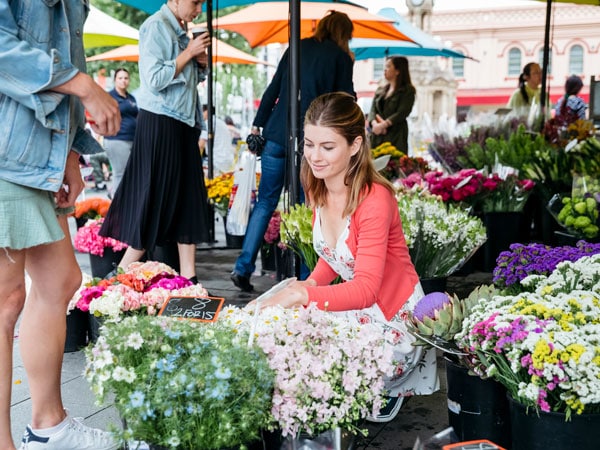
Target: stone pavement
421	416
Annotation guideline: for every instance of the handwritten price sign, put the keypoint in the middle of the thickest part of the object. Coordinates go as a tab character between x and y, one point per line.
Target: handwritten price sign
203	309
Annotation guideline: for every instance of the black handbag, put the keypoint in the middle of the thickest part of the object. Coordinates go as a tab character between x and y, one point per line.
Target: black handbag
256	143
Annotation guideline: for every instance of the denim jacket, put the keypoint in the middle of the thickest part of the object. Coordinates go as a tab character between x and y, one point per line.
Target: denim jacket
40	47
161	40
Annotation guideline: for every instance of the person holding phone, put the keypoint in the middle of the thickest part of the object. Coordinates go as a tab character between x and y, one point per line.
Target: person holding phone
162	197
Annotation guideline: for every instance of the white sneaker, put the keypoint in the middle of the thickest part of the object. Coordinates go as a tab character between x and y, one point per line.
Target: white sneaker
74	436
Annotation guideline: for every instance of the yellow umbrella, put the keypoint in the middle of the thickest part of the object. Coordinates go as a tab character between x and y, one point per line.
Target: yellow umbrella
268	22
101	30
222	53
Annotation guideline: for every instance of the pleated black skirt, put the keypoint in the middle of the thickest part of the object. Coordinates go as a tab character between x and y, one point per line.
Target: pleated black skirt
162	197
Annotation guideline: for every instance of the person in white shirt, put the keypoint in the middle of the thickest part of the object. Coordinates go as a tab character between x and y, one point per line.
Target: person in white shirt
223	149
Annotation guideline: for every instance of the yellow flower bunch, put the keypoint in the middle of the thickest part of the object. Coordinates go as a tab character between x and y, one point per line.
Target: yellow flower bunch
219	190
386	149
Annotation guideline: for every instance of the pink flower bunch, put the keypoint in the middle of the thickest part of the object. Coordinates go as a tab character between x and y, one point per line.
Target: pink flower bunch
272	233
87	239
463	186
144	287
505	194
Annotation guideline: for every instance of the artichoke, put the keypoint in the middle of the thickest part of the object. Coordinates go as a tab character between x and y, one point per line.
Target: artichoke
438	317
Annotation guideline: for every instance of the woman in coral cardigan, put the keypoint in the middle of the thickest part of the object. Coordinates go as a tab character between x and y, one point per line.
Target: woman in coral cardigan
358	235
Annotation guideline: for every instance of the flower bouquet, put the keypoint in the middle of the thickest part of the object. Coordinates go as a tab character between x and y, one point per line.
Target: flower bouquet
505	193
142	289
461	187
523	260
440	237
328	373
219	190
91	208
543	345
181	384
392	169
87	239
296	233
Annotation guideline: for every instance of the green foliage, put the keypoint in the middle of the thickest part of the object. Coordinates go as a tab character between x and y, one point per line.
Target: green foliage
516	150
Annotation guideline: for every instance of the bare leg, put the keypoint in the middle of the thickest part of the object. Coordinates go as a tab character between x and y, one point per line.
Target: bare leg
131	255
187	260
55	277
12	298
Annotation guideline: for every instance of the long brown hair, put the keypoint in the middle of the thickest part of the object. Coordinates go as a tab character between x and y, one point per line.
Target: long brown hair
403	80
339	112
336	26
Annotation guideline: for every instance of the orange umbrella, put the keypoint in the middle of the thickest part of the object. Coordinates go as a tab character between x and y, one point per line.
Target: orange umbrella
222	53
268	22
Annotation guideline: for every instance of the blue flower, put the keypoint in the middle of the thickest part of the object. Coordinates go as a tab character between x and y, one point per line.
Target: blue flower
136	399
223	373
168	412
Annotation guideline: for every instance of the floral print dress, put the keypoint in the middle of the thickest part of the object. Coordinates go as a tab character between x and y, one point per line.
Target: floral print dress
415	368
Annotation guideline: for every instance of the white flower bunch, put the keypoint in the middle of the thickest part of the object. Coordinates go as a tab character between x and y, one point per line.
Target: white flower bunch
440	237
328	373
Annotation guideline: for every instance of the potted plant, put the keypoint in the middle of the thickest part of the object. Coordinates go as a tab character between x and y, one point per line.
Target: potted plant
180	384
328	374
440	237
104	252
542	345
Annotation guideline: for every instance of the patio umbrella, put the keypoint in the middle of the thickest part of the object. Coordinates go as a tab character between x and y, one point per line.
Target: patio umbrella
101	30
268	22
222	53
151	6
425	44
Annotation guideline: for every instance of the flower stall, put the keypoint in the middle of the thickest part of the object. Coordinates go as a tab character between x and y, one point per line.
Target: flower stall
105	253
542	345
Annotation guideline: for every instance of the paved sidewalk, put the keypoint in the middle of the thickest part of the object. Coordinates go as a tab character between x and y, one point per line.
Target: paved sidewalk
420	416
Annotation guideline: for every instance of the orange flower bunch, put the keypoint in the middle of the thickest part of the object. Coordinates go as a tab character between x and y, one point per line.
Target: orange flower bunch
92	208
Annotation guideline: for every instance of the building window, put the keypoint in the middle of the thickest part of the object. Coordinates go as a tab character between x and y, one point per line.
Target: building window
541	60
458	67
514	61
576	59
378	66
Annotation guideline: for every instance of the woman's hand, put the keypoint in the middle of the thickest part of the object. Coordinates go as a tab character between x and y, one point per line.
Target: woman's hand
292	296
197	47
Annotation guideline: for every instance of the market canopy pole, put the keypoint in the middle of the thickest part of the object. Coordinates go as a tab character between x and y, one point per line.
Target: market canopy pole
543	97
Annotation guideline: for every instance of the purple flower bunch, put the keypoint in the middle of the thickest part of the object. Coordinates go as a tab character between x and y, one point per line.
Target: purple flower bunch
535	259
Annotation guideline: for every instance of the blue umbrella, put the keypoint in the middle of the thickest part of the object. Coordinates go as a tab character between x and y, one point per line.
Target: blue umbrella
151	6
425	44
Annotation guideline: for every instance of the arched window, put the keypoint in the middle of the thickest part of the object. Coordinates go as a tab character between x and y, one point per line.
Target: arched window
514	62
576	59
458	67
541	60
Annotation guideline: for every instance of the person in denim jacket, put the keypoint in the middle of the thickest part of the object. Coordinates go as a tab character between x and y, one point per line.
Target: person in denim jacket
162	197
43	93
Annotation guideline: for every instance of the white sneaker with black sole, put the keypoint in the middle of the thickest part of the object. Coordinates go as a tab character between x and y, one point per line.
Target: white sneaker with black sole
74	436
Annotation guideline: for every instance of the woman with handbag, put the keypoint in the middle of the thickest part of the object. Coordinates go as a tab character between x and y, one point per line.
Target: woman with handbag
326	67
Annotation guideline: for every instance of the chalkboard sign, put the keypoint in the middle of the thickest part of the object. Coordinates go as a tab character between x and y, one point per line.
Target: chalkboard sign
203	309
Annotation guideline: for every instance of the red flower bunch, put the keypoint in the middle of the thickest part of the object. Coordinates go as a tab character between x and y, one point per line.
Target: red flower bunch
505	194
463	186
272	233
409	165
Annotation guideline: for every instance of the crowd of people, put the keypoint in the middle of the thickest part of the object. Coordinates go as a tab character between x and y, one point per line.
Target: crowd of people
154	143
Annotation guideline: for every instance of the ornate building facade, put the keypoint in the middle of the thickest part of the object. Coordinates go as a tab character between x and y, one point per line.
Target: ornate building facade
500	41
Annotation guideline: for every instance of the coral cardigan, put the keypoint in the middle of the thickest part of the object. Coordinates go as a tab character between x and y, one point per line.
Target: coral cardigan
383	271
